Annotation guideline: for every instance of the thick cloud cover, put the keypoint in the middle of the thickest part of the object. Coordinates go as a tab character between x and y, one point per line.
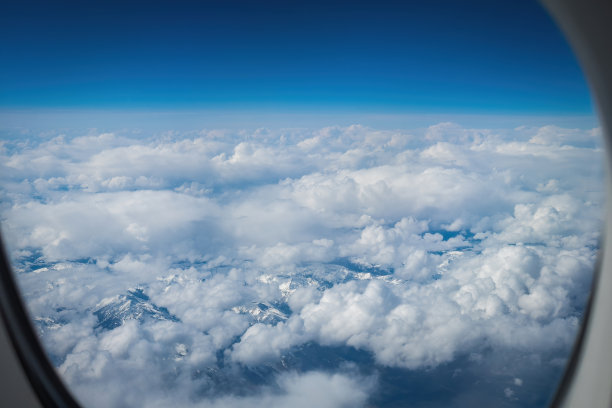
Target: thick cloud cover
305	267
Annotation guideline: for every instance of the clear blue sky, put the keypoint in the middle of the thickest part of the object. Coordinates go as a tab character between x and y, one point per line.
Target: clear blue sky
464	57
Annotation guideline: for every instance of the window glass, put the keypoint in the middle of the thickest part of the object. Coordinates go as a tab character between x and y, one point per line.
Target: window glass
299	205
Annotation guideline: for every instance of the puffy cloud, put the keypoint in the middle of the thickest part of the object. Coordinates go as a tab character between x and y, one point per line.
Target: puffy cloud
222	258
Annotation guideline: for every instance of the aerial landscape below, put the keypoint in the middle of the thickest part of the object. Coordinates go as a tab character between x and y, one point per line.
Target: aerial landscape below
360	267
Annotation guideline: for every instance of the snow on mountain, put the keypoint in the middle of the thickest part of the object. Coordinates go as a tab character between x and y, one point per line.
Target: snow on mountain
135	305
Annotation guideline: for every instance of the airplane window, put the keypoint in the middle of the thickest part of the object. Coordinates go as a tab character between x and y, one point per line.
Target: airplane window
310	204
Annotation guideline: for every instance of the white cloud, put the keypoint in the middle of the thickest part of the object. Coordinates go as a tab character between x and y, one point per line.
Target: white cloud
413	251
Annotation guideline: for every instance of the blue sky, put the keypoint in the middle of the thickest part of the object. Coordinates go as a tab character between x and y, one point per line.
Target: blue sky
474	57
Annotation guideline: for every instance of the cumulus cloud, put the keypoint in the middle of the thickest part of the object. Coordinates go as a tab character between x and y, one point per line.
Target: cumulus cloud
298	267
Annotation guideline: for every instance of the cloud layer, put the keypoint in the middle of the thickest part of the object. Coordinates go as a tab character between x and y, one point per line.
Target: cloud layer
200	268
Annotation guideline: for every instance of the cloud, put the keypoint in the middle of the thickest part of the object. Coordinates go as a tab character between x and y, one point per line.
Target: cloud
223	258
311	389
